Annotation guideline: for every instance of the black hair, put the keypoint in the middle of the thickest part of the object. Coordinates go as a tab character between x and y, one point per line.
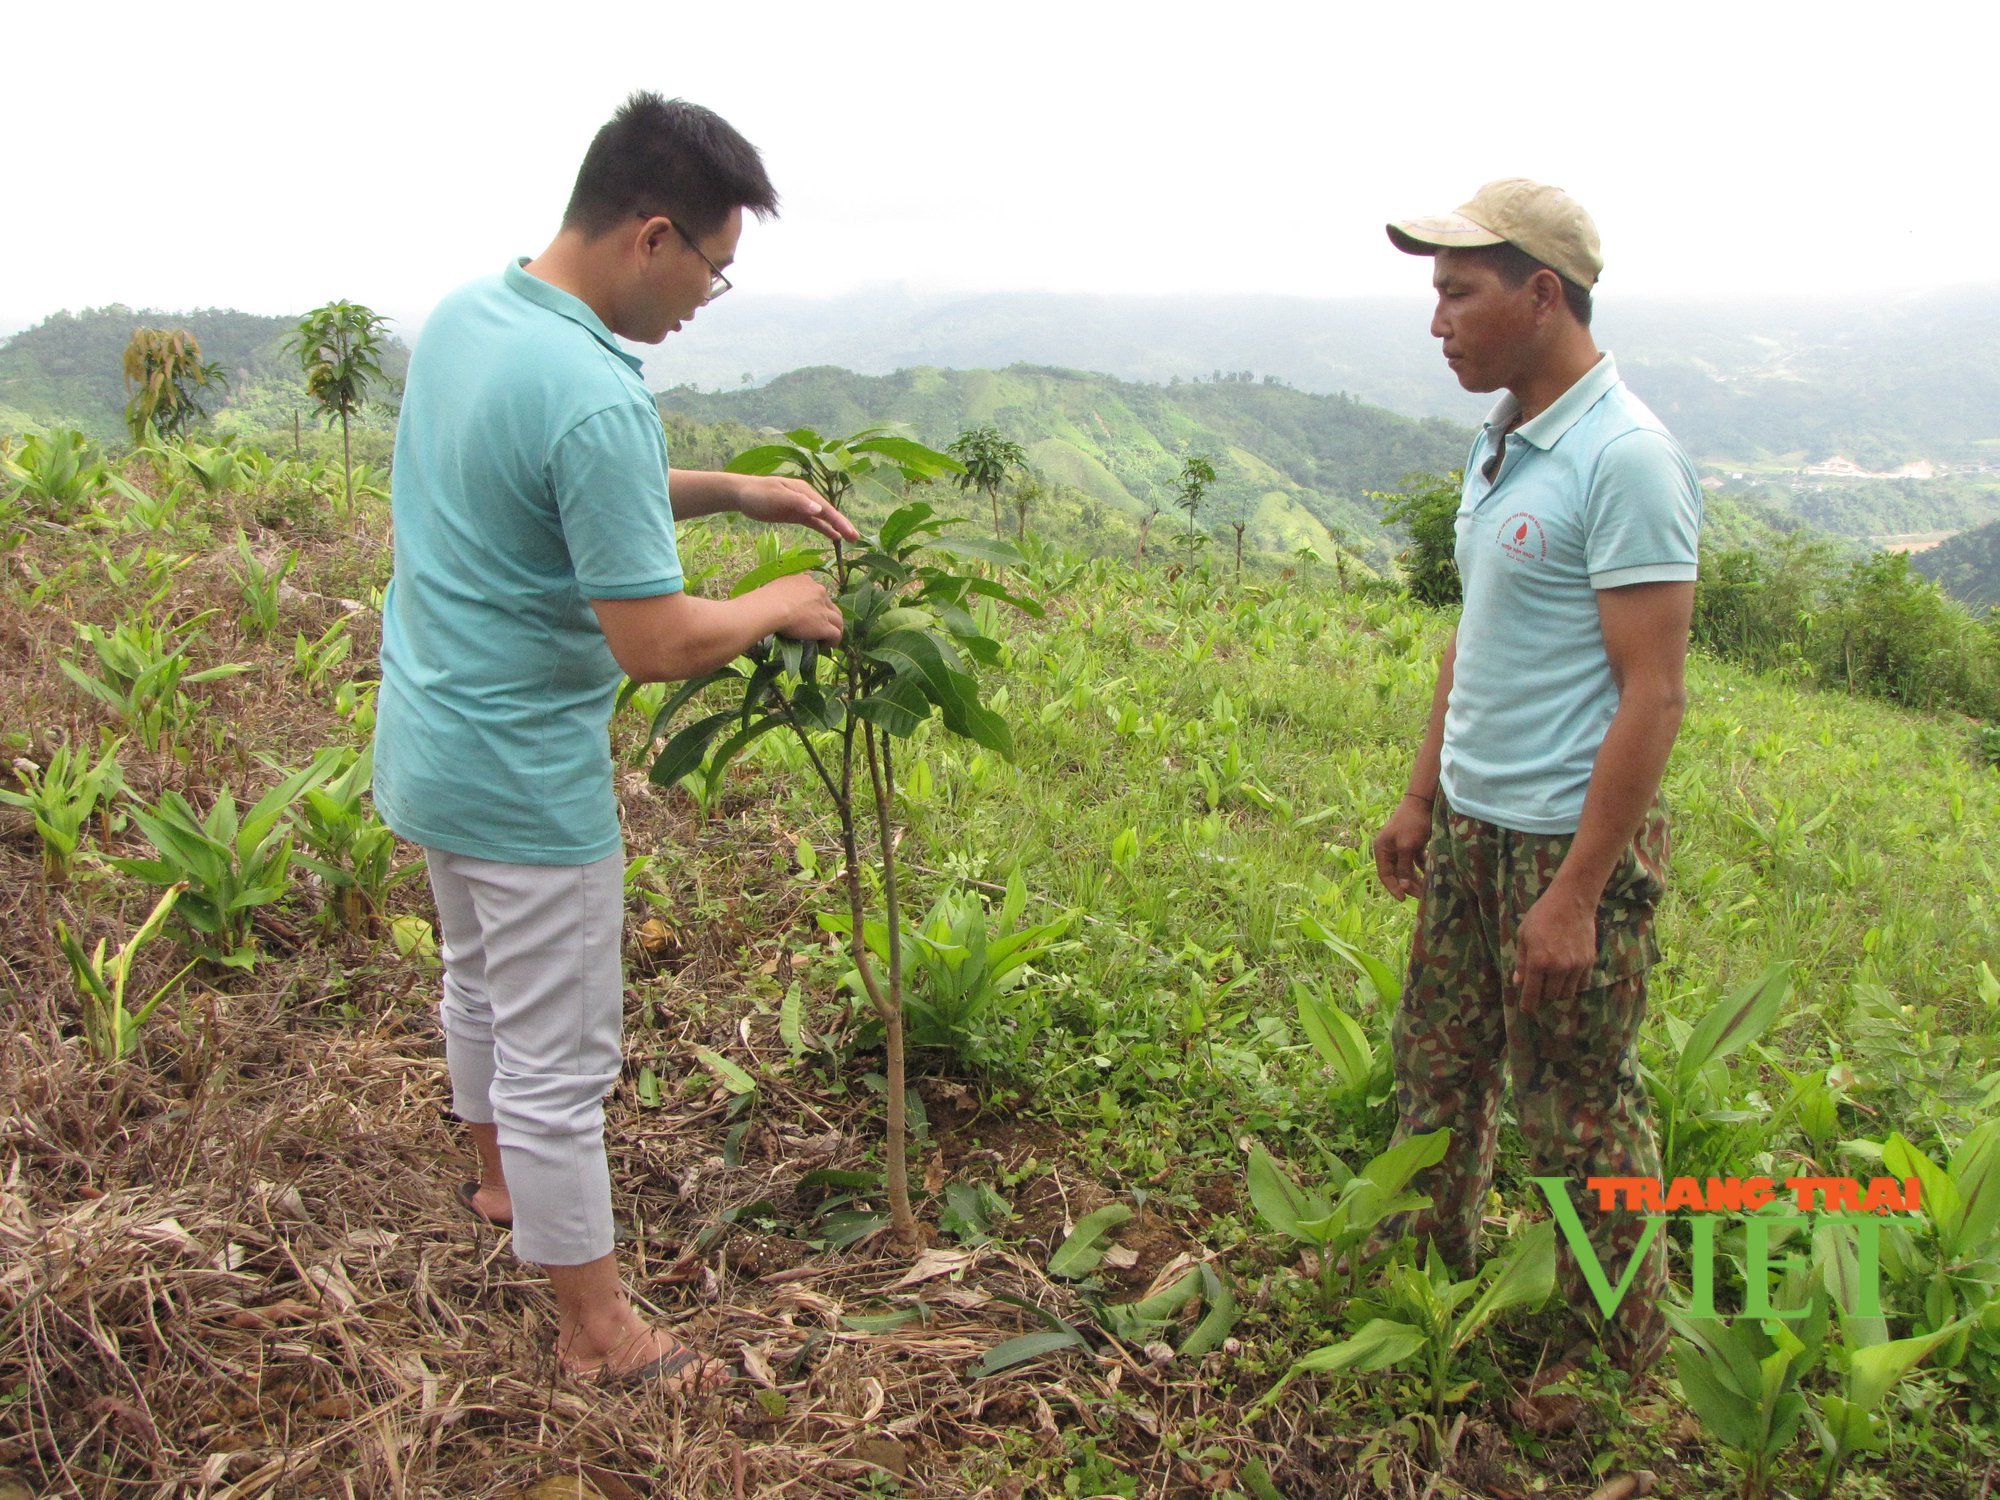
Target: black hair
1515	266
668	157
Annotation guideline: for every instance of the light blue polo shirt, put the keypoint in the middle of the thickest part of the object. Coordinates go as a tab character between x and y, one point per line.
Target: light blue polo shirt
1592	494
530	478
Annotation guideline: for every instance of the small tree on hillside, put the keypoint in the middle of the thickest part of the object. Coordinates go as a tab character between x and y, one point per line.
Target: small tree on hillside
166	374
340	349
1427	510
1028	489
1196	475
908	655
989	457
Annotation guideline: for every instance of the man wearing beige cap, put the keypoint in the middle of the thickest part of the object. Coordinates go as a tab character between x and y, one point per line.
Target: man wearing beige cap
1532	829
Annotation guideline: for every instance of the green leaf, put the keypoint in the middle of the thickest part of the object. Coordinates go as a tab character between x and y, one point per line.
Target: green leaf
733	1078
1975	1172
683	693
1939	1192
1872	1371
900	708
1525	1280
1376	1345
1284	1206
768	459
687	749
1215	1324
1019	1351
1731	1415
983	549
802	560
735	745
840	1230
1336	1036
1734	1022
1079	1254
843	1178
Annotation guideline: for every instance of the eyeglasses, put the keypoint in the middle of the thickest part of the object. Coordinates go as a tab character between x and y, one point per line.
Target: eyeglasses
717	282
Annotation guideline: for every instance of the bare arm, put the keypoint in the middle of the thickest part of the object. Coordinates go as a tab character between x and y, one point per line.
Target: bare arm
669	637
772	498
1399	847
1645	629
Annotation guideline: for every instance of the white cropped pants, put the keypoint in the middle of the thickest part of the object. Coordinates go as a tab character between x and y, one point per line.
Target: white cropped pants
532	1010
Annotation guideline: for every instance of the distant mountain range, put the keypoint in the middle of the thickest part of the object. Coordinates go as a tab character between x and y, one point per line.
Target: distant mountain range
1884	381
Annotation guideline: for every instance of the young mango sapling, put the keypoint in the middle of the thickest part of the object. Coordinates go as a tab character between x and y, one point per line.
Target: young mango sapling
907	655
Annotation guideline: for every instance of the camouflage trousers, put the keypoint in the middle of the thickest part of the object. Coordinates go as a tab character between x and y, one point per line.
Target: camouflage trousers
1578	1097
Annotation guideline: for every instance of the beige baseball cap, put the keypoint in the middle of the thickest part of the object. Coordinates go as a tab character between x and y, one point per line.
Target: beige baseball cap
1544	221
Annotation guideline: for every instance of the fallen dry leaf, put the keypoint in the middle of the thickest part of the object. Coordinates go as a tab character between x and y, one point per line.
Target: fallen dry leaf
934	1263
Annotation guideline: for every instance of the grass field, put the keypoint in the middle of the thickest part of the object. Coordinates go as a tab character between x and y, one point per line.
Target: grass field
231	1264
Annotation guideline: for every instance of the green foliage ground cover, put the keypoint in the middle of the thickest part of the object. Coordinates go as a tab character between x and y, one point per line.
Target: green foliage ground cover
1198	770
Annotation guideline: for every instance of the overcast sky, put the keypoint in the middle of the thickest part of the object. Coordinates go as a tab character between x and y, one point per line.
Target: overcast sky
274	157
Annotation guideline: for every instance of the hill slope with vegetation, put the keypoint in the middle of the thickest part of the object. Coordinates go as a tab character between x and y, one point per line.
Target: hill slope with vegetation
68	371
1296	468
1967	566
254	1185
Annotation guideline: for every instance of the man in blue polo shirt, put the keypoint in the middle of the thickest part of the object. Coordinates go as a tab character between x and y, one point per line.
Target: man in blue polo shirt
1532	829
535	565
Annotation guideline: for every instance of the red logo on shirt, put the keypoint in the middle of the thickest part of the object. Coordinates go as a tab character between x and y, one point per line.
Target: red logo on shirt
1521	536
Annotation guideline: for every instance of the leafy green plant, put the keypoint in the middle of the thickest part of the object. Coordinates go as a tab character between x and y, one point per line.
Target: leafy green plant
988	457
1956	1256
1196	475
1417	1312
339	347
1741	1376
56	474
167	376
1361	1073
315	661
228	864
1689	1078
1427	510
1337	1224
965	964
146	511
110	1025
142	667
262	584
62	795
353	851
906	658
1852	1422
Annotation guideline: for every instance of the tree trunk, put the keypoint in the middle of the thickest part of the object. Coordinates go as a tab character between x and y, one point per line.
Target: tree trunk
347	463
903	1219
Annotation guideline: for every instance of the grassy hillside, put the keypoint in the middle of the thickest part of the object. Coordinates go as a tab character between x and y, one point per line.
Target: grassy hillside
68	370
1967	566
234	1256
1297	468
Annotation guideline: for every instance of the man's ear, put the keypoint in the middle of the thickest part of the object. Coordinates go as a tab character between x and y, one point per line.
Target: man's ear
1548	290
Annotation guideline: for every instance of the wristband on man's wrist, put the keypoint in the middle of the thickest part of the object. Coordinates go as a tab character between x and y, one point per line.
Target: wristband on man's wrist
1420	797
